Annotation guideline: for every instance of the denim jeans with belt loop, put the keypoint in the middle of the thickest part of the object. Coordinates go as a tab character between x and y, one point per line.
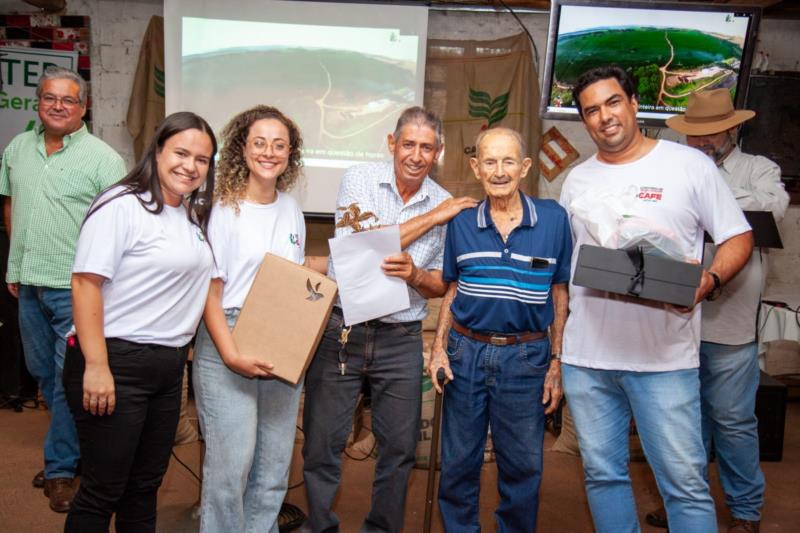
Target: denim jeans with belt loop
729	376
45	317
249	429
499	387
666	407
387	356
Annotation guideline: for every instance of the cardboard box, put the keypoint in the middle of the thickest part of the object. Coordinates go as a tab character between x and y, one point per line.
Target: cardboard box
284	315
662	279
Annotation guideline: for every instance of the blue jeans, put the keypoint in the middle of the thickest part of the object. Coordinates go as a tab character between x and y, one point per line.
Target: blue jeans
389	358
666	408
249	427
729	381
45	317
501	387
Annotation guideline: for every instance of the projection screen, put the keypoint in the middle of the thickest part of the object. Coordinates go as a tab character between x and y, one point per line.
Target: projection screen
342	71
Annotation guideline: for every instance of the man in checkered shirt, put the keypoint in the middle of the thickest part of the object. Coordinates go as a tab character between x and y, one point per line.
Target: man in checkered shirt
385	353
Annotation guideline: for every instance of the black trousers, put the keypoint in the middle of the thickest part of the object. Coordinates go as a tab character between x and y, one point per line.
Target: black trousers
125	455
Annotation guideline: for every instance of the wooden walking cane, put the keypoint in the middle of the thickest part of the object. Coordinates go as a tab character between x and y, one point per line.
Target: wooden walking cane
434	453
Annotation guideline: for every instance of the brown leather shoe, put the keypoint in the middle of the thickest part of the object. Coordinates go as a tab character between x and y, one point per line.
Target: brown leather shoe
38	480
657	518
60	490
744	526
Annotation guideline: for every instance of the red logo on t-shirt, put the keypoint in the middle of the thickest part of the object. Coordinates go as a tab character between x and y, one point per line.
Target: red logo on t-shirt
650	194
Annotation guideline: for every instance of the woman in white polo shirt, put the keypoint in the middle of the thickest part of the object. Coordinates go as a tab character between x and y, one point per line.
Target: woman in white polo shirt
247	418
139	285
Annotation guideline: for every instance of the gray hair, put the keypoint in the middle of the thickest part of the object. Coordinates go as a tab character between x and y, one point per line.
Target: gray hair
60	73
422	117
507	131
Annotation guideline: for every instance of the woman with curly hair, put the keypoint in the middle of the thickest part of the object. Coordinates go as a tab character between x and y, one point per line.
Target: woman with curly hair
247	417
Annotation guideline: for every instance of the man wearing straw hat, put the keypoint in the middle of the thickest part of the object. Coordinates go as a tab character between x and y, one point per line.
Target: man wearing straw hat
729	371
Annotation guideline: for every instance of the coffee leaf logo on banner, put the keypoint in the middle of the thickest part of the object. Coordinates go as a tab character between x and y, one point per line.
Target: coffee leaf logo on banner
481	105
158	81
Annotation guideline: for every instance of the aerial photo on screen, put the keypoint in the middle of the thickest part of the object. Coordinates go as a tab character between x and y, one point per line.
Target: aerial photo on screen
343	86
670	53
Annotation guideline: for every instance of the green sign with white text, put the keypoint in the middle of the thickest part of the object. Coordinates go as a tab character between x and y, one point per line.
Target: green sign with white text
20	69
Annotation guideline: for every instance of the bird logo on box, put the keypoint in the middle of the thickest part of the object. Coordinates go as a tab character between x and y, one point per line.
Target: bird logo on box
313	291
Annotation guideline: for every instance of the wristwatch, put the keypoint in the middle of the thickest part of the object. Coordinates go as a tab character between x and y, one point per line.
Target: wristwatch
717	290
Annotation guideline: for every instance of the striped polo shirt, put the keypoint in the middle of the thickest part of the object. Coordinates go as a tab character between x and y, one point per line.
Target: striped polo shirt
504	287
49	198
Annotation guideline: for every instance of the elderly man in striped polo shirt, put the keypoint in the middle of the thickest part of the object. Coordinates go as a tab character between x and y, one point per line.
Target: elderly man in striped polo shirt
507	262
52	174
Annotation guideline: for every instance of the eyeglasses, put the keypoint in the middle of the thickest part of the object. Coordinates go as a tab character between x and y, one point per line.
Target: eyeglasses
66	101
259	146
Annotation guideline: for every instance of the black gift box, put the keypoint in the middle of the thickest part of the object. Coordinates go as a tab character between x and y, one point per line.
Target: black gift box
634	273
771	413
765	230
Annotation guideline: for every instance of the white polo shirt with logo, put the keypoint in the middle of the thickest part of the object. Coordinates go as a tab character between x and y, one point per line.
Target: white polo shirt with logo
240	240
676	188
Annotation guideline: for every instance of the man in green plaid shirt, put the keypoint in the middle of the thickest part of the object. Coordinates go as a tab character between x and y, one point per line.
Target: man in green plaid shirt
51	175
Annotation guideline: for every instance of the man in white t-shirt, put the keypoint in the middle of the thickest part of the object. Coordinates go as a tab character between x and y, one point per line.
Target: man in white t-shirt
624	357
729	371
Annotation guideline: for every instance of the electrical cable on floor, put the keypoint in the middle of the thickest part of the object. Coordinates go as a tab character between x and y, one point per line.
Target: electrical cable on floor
772	307
369	454
290	487
26	403
20	402
299	483
761	329
184	465
290	517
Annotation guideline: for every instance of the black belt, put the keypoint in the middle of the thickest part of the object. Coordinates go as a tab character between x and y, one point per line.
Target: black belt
499	339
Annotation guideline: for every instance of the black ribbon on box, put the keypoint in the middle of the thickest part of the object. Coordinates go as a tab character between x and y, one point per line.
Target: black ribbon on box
633	272
636	256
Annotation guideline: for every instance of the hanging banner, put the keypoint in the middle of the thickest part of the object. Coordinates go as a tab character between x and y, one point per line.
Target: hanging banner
20	69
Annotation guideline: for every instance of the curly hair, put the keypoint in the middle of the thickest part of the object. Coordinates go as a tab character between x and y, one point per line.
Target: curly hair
232	170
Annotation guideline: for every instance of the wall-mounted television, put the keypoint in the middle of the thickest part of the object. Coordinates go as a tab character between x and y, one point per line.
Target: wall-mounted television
671	49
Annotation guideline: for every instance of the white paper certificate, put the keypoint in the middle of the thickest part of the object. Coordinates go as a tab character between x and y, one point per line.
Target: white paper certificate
365	291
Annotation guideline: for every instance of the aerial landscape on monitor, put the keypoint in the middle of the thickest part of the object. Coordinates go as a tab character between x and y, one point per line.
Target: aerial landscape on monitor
668	63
